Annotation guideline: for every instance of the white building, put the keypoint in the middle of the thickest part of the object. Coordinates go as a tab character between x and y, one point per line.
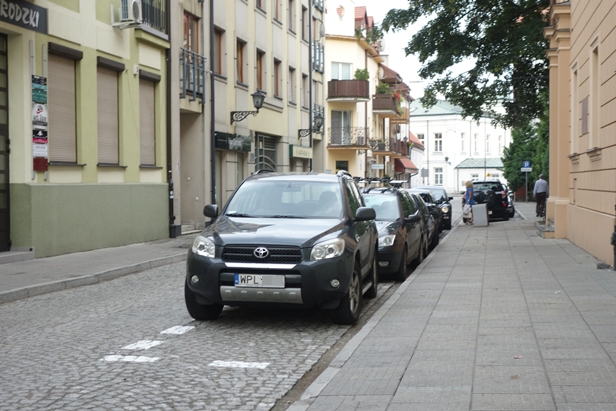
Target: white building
457	149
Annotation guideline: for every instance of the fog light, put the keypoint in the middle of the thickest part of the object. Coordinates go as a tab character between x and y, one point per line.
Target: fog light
383	263
334	283
194	279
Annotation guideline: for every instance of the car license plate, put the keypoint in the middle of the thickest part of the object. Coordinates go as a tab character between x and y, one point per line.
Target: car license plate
490	212
259	280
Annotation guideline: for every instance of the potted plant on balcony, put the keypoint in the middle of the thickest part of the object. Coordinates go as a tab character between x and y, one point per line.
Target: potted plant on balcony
362	74
382	88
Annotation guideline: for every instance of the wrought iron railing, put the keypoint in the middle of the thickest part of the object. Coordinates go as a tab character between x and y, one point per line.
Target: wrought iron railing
318	57
155	14
192	75
348	136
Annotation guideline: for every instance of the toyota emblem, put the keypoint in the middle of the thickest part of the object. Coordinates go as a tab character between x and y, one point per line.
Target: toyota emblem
261	252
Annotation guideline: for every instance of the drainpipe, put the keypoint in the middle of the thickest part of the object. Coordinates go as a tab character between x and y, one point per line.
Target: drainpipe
212	107
174	230
614	242
366	119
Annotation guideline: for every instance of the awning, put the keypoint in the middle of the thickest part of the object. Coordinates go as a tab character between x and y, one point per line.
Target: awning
405	165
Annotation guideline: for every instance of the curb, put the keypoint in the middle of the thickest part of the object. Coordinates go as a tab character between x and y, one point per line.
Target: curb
39	289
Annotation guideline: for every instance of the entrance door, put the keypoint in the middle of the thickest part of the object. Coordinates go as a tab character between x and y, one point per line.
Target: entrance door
266	153
5	217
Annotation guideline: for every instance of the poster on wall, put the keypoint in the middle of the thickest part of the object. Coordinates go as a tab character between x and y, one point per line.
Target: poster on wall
39	89
40	146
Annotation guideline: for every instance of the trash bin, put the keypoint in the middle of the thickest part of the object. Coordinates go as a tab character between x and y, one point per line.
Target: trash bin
480	215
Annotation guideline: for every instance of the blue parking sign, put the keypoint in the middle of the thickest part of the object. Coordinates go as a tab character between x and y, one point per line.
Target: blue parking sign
526	164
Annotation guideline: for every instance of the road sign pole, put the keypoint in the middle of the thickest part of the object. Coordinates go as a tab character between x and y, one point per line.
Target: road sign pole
526	186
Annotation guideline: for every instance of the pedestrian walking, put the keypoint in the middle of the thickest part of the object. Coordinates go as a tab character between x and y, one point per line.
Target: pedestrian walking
467	203
540	192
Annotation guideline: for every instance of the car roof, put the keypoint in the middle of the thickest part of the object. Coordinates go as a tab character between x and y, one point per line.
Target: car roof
308	176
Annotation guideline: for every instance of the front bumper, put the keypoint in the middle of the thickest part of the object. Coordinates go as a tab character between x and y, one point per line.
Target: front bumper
306	283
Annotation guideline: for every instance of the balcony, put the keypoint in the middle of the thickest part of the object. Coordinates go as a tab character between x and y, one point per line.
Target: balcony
403	119
348	137
348	90
155	14
391	146
192	75
385	105
399	148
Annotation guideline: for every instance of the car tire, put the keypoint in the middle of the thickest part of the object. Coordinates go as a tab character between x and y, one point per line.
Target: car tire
448	226
512	213
401	273
374	277
347	312
200	312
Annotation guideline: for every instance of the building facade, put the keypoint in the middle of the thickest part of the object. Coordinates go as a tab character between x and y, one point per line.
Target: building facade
457	149
367	102
582	56
83	97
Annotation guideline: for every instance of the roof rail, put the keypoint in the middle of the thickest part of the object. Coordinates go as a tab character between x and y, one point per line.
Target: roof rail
262	171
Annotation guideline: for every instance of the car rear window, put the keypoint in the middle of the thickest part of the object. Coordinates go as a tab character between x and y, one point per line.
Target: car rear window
386	206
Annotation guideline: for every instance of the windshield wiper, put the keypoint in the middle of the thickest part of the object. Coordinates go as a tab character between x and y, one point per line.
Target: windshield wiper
237	215
286	216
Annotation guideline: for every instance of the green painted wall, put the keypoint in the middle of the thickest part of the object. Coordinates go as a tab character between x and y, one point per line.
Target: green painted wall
64	218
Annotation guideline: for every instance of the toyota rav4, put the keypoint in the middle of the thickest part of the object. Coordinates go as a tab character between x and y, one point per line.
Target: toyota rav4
293	240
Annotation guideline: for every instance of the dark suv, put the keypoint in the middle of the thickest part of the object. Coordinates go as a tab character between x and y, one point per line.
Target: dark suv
494	194
443	202
296	240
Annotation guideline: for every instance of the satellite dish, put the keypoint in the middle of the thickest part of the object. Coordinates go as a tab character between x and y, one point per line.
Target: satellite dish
322	30
383	48
381	72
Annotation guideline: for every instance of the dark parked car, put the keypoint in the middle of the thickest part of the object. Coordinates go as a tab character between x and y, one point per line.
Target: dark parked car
292	240
443	201
429	224
433	208
494	194
401	238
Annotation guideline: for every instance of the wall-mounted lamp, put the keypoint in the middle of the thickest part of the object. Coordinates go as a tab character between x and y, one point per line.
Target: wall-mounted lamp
257	99
318	123
446	159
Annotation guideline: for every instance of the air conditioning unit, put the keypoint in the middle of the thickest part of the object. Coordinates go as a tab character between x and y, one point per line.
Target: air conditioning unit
131	12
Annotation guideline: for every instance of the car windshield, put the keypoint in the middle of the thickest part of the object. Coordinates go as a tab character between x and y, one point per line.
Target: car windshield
286	199
386	206
487	185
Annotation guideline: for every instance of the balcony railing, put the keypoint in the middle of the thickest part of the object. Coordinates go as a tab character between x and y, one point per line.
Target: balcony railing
384	103
318	57
155	14
192	75
342	137
355	90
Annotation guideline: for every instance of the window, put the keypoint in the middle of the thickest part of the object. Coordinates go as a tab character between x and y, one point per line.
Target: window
277	79
495	175
62	105
474	176
487	144
107	119
341	71
304	23
340	131
438	176
277	5
475	138
260	69
438	142
462	144
147	124
305	92
595	105
342	165
240	57
218	50
315	92
292	85
191	32
585	115
291	15
420	137
260	4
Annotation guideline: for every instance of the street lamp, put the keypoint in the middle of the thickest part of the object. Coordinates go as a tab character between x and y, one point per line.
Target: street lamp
257	100
318	123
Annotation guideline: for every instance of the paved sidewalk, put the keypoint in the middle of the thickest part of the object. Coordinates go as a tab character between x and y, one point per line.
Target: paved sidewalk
496	318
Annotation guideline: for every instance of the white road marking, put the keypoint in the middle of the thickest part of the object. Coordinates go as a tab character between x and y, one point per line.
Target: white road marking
143	345
178	329
239	364
129	358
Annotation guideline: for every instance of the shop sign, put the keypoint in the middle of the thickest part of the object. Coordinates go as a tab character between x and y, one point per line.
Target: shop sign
378	166
300	151
230	141
39	114
39	89
23	14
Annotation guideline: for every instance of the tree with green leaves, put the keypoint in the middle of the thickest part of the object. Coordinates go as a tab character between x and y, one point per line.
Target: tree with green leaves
502	38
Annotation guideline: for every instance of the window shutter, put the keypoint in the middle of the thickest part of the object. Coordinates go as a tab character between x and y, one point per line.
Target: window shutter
147	127
62	107
107	97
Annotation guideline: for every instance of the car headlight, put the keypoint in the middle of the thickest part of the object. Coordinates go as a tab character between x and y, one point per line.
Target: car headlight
327	249
387	240
445	209
204	247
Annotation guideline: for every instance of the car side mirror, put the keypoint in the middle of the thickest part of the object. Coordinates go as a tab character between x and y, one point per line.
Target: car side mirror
210	210
413	218
450	198
365	214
